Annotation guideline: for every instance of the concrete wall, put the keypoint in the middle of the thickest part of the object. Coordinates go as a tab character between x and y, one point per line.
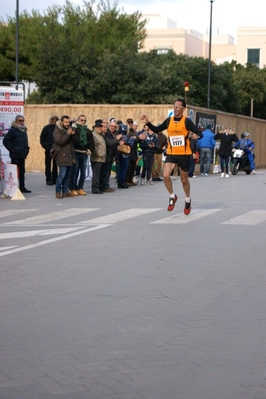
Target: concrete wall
37	116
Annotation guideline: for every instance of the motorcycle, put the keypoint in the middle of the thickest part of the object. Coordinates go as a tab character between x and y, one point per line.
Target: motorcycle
240	161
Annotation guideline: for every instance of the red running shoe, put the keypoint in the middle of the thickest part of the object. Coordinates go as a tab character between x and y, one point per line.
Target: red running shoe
187	208
172	202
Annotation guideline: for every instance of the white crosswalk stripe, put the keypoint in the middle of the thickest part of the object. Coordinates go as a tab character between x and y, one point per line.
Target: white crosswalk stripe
52	240
120	216
180	218
51	217
251	218
6	248
11	212
33	233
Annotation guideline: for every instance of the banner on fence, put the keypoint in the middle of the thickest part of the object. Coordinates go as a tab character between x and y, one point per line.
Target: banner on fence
11	105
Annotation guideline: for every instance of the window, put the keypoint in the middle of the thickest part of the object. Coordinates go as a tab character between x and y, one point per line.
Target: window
162	50
254	56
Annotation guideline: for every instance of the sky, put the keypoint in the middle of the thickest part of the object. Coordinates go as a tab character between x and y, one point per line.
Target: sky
227	15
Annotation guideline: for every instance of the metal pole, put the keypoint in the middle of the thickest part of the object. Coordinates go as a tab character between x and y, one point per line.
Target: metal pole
17	40
251	107
209	62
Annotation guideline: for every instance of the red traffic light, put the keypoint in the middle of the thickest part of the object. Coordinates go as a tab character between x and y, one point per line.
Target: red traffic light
186	83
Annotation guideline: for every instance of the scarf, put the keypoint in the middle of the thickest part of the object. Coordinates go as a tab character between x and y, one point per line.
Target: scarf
83	134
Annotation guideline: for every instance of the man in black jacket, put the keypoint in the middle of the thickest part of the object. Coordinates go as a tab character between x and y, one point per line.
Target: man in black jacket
84	146
16	141
47	140
111	137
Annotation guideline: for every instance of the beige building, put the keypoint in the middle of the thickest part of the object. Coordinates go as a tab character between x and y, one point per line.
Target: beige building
164	35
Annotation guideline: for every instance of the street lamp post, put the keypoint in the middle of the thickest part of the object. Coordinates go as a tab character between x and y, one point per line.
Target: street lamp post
17	40
186	88
209	63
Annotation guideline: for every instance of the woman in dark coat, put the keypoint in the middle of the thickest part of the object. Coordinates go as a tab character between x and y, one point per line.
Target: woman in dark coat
225	150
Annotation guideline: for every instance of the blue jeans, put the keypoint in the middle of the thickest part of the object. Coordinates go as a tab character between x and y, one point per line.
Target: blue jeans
148	160
205	154
251	160
224	162
62	181
78	170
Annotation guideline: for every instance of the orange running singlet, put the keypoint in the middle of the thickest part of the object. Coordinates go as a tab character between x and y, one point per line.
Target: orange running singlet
178	141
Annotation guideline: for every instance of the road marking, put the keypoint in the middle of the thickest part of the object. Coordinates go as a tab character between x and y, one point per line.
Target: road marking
251	218
53	240
34	220
11	212
6	248
32	233
120	216
180	218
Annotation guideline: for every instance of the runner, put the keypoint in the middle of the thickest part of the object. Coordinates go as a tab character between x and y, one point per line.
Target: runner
178	150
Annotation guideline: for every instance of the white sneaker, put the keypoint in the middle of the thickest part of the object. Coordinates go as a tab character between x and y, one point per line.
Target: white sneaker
253	172
194	176
202	174
206	174
142	182
222	174
227	176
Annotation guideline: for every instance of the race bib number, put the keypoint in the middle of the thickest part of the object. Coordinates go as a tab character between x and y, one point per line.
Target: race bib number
177	141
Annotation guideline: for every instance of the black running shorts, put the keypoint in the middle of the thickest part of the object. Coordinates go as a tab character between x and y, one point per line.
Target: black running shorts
182	161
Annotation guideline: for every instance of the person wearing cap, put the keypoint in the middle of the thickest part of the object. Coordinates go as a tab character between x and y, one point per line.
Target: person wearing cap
130	122
135	125
178	150
98	156
47	140
248	145
226	137
206	145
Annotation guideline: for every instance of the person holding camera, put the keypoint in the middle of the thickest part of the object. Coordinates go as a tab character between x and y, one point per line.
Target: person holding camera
82	148
64	137
226	137
122	159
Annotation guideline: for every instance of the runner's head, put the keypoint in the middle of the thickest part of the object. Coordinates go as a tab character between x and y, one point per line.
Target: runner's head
179	107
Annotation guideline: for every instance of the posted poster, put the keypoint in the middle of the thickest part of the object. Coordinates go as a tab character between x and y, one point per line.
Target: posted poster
11	104
203	119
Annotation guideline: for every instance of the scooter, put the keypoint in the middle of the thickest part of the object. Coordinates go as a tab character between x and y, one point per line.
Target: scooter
240	161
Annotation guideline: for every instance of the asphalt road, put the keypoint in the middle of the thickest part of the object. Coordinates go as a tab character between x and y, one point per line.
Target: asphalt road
111	296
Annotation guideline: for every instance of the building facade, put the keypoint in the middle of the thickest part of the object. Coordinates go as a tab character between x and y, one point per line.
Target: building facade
164	35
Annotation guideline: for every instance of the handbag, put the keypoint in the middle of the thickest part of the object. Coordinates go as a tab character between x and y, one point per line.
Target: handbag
54	151
124	148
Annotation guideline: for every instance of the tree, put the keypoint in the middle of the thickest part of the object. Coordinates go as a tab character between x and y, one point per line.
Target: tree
251	84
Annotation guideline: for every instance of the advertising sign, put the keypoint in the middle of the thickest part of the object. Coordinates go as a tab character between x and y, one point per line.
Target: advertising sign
11	105
11	179
203	119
